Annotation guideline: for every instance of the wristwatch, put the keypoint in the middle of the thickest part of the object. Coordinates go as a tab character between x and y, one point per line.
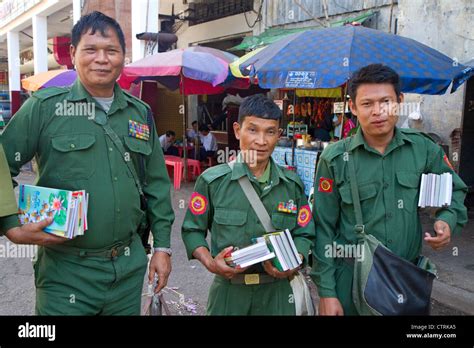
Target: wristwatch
164	250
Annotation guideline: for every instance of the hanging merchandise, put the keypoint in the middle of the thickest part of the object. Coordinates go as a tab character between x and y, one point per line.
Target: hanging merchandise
308	109
321	109
303	109
297	110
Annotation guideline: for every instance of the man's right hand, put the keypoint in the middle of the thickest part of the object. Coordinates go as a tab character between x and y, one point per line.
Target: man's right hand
330	306
217	265
33	234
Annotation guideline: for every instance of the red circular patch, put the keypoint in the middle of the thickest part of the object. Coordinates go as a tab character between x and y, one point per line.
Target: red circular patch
198	204
304	215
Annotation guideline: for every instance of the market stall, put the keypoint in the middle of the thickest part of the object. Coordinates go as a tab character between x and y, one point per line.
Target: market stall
304	162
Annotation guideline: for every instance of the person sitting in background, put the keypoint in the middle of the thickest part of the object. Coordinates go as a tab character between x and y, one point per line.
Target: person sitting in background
193	133
322	127
338	124
209	144
167	143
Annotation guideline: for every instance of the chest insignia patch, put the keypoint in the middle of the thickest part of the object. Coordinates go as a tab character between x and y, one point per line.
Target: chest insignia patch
287	207
138	130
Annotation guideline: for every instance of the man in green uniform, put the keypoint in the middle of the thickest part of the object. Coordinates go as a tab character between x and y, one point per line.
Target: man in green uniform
389	162
67	129
220	206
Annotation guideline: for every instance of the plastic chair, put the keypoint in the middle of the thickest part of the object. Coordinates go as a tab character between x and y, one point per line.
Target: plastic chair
195	166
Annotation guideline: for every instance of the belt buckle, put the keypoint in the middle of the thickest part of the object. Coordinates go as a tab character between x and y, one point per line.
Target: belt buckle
252	279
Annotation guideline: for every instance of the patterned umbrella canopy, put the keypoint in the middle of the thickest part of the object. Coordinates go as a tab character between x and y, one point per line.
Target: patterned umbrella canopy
197	70
326	58
52	78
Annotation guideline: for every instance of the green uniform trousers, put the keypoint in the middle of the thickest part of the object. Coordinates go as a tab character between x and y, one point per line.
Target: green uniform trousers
343	275
239	299
68	284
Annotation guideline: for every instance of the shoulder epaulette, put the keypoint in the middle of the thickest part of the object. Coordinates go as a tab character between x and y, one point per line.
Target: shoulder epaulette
416	132
46	93
215	172
291	175
136	99
333	150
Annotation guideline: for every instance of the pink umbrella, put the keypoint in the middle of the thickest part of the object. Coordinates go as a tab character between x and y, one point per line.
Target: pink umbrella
196	70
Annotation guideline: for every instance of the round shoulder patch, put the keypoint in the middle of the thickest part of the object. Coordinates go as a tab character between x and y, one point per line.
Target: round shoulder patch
198	203
304	215
325	185
446	160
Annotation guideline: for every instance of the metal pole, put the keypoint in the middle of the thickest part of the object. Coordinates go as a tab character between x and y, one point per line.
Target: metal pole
185	145
294	127
343	110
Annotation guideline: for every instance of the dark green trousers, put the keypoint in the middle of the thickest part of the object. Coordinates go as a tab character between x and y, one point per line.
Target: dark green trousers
240	299
72	285
344	273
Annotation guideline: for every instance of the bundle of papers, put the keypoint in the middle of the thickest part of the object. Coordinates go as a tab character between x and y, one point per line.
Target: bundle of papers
250	255
282	244
67	208
435	190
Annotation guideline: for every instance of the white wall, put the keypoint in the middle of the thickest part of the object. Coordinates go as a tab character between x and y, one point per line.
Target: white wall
445	25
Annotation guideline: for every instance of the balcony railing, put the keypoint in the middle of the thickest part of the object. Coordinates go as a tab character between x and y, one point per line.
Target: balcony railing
209	10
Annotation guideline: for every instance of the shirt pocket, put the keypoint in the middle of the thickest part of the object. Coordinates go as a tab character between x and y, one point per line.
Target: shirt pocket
229	228
367	195
283	221
75	156
138	148
407	190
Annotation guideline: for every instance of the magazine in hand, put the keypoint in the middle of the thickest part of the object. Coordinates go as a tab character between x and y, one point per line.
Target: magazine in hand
67	208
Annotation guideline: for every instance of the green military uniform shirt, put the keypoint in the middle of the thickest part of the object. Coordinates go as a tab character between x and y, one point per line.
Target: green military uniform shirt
73	153
8	204
220	206
389	190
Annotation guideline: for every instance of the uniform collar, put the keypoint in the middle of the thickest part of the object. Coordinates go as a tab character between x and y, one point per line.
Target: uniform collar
78	92
240	169
399	139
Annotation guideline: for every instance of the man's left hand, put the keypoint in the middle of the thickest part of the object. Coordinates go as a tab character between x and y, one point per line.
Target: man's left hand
443	235
160	264
275	273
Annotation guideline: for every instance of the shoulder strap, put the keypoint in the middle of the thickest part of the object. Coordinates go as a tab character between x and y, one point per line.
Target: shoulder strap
255	201
118	143
359	227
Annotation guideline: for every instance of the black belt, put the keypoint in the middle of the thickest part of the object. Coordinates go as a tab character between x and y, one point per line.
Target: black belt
112	252
252	279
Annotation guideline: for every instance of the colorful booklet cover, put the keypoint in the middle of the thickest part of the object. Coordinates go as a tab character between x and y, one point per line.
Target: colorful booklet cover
67	208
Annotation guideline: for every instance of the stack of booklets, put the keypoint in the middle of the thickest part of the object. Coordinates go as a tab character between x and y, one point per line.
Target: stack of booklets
250	255
67	208
282	244
435	190
277	246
